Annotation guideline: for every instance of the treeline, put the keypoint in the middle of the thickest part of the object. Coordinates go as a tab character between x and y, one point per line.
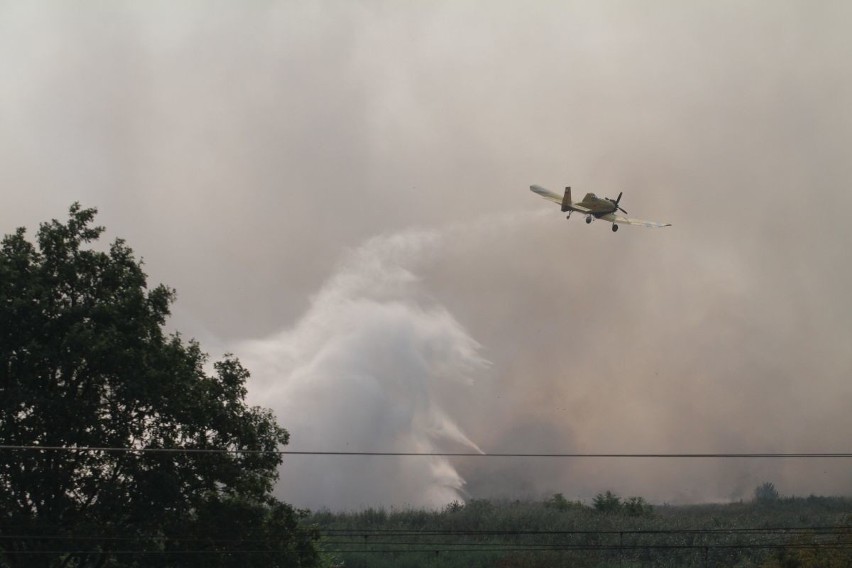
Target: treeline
769	533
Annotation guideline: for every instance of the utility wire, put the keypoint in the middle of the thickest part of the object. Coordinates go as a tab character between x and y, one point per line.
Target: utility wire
745	455
486	532
424	548
339	534
365	541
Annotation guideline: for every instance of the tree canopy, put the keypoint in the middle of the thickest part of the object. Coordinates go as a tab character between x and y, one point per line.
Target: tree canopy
85	363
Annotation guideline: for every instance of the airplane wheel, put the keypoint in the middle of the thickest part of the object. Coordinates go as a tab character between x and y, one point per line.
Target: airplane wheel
614	227
588	219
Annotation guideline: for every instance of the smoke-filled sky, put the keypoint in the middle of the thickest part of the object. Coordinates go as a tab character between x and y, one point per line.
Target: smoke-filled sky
339	193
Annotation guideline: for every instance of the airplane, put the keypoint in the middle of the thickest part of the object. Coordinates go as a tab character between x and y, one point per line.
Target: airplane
594	207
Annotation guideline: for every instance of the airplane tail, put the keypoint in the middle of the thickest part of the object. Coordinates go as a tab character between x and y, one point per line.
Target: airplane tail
566	201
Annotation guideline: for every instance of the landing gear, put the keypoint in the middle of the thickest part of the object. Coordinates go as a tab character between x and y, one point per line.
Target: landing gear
569	215
588	219
614	227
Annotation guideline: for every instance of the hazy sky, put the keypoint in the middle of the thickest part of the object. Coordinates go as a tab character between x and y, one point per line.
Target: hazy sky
339	193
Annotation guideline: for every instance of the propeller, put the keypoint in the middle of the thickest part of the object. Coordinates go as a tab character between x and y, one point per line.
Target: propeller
617	206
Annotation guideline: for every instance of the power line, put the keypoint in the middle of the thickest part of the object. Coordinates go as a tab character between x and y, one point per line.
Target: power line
578	455
425	548
406	532
339	534
150	450
487	532
593	547
404	541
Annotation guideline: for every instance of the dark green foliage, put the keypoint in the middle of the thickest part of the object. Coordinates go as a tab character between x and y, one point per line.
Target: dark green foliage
611	504
637	507
560	503
766	493
507	534
238	532
810	551
84	362
607	503
454	507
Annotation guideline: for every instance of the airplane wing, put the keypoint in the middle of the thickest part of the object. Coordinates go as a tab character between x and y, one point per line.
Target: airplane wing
556	198
613	218
546	193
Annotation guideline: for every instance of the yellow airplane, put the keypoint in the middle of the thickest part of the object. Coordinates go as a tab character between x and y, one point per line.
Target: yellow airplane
594	207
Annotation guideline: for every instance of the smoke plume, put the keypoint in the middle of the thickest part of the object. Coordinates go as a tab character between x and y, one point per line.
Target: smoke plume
373	366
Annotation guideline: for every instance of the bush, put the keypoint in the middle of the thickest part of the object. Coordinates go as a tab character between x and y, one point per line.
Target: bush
607	503
560	503
637	507
766	493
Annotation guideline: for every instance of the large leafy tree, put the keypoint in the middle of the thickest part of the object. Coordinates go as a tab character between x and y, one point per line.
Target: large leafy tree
85	363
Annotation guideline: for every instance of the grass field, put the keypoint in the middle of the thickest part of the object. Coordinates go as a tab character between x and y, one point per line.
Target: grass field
774	532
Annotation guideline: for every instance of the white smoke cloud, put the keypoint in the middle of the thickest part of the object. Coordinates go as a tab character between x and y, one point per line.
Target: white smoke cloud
371	366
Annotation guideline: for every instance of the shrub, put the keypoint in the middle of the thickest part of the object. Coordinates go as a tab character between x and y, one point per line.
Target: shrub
607	503
766	493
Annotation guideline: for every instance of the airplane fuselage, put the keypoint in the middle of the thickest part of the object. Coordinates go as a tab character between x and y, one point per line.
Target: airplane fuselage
591	204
